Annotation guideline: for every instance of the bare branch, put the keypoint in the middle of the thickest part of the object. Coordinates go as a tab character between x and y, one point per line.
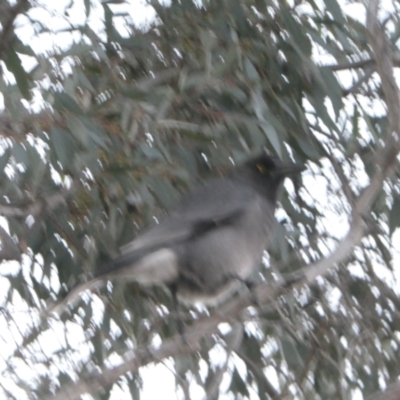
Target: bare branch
386	157
179	344
161	77
383	56
188	126
49	203
360	64
259	373
233	343
368	73
350	65
391	393
232	312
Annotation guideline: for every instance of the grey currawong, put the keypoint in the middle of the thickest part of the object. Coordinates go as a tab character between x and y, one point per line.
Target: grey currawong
213	237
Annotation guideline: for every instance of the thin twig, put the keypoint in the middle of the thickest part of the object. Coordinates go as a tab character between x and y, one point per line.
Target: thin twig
36	208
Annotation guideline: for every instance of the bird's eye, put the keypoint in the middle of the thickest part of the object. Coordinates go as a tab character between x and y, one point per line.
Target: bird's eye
261	168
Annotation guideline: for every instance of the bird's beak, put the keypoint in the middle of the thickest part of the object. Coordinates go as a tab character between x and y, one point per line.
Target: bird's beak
289	168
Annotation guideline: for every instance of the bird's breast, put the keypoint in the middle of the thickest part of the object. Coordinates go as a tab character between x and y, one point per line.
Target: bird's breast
217	260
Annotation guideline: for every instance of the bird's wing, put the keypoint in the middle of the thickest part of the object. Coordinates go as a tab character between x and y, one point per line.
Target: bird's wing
201	209
204	208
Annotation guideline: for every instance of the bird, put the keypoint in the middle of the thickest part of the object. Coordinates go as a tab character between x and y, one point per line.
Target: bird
210	241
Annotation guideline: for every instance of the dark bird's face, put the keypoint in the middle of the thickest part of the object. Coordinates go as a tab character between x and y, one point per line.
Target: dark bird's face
266	164
266	173
273	167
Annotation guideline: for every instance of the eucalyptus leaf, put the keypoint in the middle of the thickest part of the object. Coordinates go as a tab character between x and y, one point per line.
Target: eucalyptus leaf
18	151
334	8
14	64
63	101
394	215
272	136
64	146
4	159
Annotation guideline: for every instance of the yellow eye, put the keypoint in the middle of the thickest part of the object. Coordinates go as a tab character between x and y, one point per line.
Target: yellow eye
261	168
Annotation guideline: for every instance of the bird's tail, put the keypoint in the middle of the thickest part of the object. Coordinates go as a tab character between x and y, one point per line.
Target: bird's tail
148	268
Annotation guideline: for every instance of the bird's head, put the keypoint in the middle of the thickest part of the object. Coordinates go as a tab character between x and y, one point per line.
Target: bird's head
273	167
266	172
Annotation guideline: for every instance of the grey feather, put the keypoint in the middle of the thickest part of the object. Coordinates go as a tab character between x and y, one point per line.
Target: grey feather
214	237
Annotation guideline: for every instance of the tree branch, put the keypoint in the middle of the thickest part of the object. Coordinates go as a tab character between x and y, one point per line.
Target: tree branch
265	293
350	65
361	64
386	159
7	32
383	56
234	310
179	344
49	203
392	392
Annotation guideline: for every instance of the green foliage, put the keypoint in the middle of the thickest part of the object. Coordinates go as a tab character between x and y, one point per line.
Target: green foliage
128	121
